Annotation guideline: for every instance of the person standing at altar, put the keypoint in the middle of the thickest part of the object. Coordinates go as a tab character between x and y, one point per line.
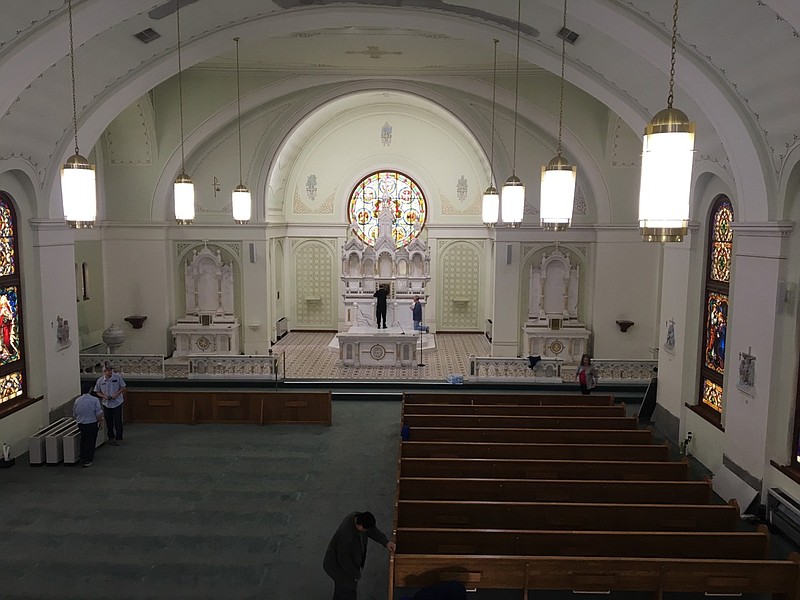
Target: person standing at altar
111	389
416	316
380	307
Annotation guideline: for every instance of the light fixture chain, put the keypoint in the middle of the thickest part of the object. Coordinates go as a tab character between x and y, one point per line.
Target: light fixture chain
516	90
180	83
561	99
72	72
672	56
494	99
239	109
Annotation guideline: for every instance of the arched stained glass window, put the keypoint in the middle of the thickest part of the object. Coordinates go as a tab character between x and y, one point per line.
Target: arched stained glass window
400	193
716	307
12	356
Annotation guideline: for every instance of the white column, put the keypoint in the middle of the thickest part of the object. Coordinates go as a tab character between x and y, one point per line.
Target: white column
758	267
505	319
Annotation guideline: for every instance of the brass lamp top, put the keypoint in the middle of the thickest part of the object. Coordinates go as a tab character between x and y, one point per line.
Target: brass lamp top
241	188
183	178
76	161
670	120
513	181
558	163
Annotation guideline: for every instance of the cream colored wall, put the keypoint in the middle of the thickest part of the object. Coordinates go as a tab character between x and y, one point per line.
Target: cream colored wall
627	285
138	269
91	310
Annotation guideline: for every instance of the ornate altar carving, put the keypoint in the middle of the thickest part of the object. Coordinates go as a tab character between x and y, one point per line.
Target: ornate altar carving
209	327
405	270
553	328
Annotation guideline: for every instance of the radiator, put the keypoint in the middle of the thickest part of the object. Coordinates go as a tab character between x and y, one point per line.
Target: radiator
54	442
36	443
783	513
281	327
72	444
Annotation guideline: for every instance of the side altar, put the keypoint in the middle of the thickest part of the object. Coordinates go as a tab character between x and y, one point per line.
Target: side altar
209	327
553	329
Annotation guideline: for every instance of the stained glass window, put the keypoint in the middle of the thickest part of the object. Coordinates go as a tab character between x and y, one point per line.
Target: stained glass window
716	304
712	395
716	328
12	363
722	243
393	190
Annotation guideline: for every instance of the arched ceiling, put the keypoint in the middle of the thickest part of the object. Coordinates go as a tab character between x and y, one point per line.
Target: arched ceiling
737	71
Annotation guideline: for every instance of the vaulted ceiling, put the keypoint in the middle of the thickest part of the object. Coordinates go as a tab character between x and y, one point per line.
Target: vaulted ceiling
737	74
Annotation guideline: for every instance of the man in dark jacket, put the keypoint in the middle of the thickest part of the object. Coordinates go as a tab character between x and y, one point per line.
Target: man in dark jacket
347	552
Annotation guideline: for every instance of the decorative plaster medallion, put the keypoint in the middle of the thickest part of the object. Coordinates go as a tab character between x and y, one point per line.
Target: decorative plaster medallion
386	134
556	346
203	343
311	187
300	208
461	189
377	352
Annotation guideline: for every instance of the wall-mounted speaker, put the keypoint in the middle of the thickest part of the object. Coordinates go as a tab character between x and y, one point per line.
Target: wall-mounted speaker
252	252
509	250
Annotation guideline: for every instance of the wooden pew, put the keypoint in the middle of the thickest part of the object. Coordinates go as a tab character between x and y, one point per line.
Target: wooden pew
531	399
617	410
543	469
555	490
520	422
596	574
557	515
646	544
541	436
649	452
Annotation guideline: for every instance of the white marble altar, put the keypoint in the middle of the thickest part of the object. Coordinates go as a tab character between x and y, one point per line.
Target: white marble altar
406	271
553	329
378	348
209	327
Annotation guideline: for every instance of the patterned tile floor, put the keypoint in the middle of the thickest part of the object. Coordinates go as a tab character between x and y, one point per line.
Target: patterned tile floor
309	357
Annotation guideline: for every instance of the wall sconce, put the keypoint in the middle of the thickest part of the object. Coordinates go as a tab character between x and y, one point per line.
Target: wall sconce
136	321
624	325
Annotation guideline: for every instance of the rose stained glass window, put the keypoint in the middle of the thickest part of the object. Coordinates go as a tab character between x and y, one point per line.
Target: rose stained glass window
389	189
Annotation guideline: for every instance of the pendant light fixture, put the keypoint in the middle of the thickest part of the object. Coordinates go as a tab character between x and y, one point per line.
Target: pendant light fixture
184	188
78	187
240	198
667	155
558	177
513	197
491	199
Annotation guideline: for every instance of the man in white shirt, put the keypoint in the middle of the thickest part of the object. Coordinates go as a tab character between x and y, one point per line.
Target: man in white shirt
110	388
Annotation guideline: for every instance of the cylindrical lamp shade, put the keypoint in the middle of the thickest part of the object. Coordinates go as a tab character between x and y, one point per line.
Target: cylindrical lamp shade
79	192
558	194
491	206
184	199
667	157
240	201
513	201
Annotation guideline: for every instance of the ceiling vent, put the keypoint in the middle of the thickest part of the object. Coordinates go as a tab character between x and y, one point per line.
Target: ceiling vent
568	35
166	9
147	35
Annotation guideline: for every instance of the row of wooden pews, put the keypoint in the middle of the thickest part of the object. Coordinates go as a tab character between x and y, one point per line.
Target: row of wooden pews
562	492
